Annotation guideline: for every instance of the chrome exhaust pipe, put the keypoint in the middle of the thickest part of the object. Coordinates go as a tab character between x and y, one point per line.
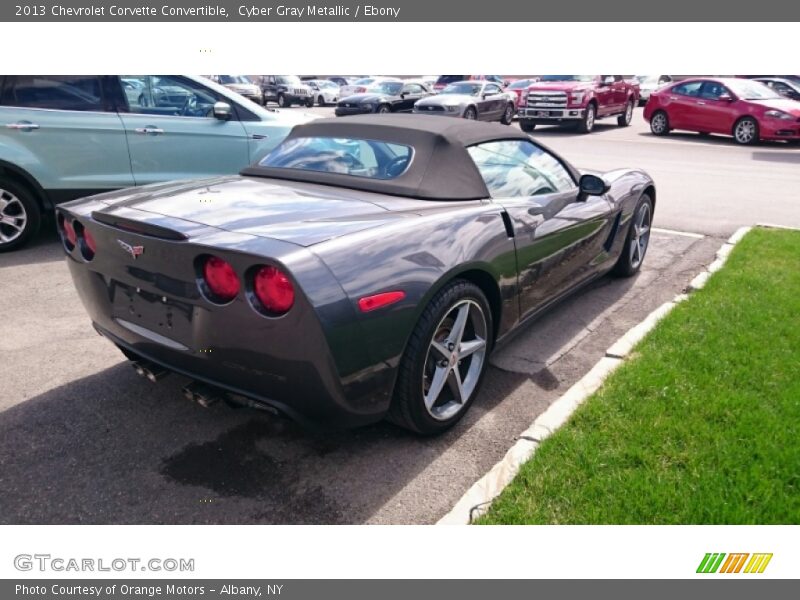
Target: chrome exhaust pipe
203	394
149	370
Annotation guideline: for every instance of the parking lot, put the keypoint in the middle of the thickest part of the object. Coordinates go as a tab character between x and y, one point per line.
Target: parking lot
83	439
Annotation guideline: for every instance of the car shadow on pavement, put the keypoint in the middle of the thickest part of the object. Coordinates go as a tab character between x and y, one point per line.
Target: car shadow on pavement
791	157
712	139
112	448
45	247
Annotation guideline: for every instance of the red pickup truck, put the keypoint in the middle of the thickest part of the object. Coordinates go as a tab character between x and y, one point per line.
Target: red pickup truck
578	100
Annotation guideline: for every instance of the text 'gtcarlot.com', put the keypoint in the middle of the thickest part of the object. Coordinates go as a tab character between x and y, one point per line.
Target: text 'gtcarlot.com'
46	562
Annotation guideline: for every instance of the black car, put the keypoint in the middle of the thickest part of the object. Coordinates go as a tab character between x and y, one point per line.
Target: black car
386	97
363	269
785	87
285	90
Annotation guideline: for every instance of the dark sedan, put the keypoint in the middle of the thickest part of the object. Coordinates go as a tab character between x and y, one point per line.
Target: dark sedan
364	269
386	97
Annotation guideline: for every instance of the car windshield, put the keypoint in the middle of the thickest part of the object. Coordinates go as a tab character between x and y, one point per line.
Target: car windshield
227	79
567	78
521	84
346	156
470	89
650	79
391	88
751	90
293	79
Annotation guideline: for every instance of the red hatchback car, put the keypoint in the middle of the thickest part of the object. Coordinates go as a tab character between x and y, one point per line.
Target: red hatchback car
747	110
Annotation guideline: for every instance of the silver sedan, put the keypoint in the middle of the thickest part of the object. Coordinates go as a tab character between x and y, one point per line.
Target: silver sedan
475	100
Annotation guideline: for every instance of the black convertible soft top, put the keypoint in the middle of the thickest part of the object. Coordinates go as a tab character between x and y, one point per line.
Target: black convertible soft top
441	168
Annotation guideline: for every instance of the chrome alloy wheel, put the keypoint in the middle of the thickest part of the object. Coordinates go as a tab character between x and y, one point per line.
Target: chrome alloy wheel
658	123
13	217
745	131
629	112
641	235
590	117
455	360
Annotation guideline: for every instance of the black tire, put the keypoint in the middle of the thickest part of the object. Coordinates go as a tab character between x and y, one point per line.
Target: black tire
309	102
527	126
17	203
659	123
408	408
471	114
586	125
508	114
282	102
625	118
384	109
626	266
321	101
746	132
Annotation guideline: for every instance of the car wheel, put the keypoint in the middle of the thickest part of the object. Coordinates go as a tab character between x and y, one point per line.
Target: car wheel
321	101
282	101
587	123
659	123
508	115
745	131
527	126
445	360
20	216
309	102
471	113
384	109
638	238
625	118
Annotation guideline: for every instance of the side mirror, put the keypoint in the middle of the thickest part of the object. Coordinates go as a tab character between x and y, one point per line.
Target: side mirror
222	111
607	80
725	98
592	185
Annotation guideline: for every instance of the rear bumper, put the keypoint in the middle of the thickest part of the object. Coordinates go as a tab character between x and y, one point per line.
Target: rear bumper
288	366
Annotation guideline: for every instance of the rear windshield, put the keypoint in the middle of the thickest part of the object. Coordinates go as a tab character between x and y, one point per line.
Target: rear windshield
346	156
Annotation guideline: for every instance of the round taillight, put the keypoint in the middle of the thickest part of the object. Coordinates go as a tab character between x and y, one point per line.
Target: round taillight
221	279
91	245
69	232
274	290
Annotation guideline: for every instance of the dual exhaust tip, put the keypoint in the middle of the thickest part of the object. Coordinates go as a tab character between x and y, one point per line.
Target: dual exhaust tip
201	393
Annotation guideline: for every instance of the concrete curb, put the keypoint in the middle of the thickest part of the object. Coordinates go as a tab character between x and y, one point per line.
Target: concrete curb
478	498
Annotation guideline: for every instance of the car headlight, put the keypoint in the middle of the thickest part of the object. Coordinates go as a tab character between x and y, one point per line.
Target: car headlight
453	108
576	97
779	114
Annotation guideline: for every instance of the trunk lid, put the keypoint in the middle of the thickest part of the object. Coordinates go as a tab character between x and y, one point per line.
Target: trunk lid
303	214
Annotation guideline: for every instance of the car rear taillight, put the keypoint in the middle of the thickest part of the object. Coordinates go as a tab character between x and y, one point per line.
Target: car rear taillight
221	279
68	232
274	290
91	245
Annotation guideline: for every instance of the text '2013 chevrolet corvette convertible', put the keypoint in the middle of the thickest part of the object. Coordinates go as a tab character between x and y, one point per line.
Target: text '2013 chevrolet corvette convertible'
363	269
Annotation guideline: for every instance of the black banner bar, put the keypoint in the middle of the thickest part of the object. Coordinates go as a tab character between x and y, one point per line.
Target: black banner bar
713	586
402	11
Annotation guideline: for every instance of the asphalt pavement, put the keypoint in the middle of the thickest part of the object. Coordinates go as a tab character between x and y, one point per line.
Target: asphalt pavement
83	439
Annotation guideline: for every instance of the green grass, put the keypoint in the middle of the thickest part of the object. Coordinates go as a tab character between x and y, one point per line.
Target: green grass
701	425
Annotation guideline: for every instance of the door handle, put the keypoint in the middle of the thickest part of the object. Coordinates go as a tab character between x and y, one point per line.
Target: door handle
22	126
700	102
673	97
146	130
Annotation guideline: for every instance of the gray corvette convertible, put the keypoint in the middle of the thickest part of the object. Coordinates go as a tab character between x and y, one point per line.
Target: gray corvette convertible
364	269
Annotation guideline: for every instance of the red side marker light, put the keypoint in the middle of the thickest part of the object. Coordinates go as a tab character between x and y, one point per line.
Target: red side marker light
370	303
